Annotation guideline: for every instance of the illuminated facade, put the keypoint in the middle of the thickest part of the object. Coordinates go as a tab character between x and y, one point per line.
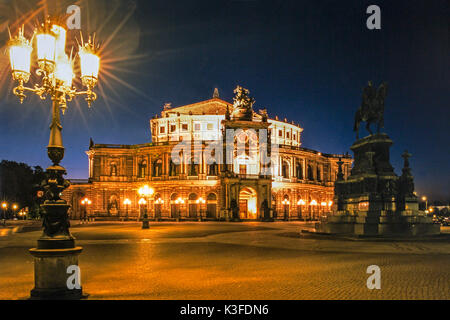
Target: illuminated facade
296	184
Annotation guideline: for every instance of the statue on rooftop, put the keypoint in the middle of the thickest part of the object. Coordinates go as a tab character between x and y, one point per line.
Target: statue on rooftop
243	104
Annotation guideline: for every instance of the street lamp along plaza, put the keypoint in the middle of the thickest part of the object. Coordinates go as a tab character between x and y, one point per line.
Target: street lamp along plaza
179	202
200	201
300	203
56	247
146	192
4	207
85	202
126	203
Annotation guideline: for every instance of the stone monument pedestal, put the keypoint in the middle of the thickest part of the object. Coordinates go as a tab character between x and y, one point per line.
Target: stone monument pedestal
55	253
50	273
374	201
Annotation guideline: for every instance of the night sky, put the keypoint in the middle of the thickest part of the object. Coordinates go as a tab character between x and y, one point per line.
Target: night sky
307	61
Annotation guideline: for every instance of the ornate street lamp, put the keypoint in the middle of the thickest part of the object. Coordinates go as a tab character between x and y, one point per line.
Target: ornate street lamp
323	204
142	202
145	224
313	203
426	202
286	203
147	193
200	201
126	203
300	203
14	209
178	202
4	207
56	247
85	202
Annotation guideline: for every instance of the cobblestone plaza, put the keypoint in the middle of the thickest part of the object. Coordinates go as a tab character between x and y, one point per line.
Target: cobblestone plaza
252	260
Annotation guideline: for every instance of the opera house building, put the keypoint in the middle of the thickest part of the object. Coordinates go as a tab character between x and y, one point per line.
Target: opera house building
204	163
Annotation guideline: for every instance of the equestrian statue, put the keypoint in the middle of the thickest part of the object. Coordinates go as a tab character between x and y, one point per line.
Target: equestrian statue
372	108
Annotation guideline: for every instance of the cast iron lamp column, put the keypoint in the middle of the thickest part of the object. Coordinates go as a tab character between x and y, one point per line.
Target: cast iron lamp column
4	207
126	202
426	202
300	203
286	203
85	202
200	201
56	249
147	193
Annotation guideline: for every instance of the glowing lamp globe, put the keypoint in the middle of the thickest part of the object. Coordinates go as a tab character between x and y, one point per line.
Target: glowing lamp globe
90	64
46	51
20	57
64	71
60	40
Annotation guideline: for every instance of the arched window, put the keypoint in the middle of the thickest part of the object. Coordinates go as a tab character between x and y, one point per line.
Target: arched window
285	170
193	205
193	196
212	197
211	205
174	169
310	173
299	171
157	168
142	168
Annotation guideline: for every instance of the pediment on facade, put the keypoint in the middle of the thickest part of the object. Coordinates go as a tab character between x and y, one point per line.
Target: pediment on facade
211	107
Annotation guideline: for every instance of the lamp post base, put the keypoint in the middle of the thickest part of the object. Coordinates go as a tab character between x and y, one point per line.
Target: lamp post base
51	274
145	224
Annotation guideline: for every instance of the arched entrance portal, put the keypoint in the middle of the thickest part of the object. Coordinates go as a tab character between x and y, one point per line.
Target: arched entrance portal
247	203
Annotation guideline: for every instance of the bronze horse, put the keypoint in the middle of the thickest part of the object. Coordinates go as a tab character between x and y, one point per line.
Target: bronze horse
372	108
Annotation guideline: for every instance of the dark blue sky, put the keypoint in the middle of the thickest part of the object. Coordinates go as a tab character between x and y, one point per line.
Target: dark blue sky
304	60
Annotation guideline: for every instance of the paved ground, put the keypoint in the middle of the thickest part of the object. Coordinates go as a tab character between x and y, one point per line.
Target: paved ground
234	261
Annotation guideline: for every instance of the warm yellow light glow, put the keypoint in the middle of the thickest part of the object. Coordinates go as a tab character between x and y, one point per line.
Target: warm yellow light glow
20	57
431	209
64	71
200	200
4	205
146	191
323	204
142	201
126	201
313	203
424	198
46	48
285	202
330	203
159	201
14	206
86	201
60	42
179	200
89	62
301	202
251	205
